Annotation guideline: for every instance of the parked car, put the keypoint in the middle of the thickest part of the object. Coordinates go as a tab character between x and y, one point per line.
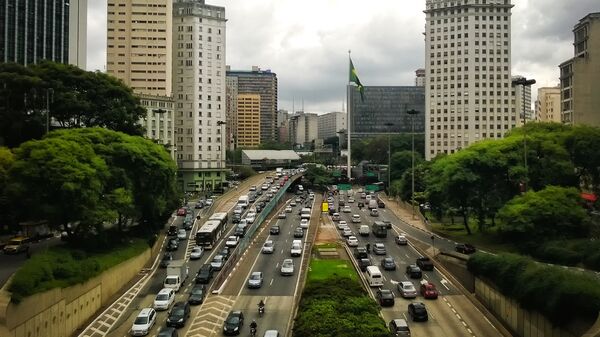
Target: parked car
428	290
413	271
425	263
16	245
417	312
379	249
255	280
401	240
385	297
179	315
196	253
388	263
197	294
144	321
465	248
407	289
233	323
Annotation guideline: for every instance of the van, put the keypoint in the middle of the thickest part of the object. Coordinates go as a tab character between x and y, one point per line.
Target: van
364	230
372	204
243	201
374	276
305	213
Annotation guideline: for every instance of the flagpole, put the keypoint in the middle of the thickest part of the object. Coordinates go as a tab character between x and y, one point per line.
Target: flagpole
349	123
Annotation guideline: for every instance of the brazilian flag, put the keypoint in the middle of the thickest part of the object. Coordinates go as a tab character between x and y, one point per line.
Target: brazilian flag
355	80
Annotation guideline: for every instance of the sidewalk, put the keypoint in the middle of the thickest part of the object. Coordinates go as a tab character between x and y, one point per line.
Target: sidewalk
404	212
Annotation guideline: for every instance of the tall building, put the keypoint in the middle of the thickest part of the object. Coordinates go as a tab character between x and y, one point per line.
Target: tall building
420	77
159	121
231	105
468	93
547	105
264	83
580	94
199	93
303	129
283	126
139	44
522	94
384	110
248	120
330	124
33	30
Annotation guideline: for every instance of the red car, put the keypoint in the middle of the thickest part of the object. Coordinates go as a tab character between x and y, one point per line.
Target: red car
181	212
428	290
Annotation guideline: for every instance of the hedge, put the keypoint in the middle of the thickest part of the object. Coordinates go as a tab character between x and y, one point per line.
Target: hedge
562	295
582	252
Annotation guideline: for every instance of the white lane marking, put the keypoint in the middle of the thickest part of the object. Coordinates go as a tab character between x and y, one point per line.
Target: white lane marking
443	282
271	283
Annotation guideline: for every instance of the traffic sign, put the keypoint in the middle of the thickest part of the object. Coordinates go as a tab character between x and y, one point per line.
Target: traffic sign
344	187
373	188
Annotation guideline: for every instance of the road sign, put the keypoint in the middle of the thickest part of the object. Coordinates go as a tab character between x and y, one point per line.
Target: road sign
373	188
344	187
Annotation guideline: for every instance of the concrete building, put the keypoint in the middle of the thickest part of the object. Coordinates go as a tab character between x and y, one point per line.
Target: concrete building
330	124
420	77
199	93
547	105
468	90
231	111
159	121
522	94
140	44
32	30
248	120
580	94
264	83
386	105
303	129
265	159
283	126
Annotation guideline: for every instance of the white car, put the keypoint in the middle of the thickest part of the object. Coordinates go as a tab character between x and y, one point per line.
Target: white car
282	215
232	241
335	217
264	187
293	203
164	299
342	224
144	321
298	200
347	209
355	218
296	249
350	200
196	253
304	223
352	241
287	267
268	247
407	289
252	188
250	217
208	202
311	196
181	234
347	232
288	209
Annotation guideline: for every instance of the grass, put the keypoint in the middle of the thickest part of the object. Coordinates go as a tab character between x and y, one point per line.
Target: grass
324	269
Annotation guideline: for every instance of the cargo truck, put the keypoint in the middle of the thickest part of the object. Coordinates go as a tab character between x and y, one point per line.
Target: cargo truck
177	273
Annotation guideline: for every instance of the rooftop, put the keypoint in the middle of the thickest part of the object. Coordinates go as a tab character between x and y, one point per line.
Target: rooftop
271	154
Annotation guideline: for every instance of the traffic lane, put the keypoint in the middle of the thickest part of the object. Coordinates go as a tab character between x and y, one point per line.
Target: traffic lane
9	264
475	320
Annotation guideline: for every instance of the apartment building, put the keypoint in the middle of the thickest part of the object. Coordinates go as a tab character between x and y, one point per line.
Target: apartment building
547	105
159	121
248	120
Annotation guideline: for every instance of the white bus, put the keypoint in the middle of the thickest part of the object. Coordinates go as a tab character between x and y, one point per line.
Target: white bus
221	217
244	201
210	232
374	276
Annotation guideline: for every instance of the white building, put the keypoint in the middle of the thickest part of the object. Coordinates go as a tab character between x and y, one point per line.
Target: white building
468	94
158	122
199	91
523	101
331	123
420	77
303	129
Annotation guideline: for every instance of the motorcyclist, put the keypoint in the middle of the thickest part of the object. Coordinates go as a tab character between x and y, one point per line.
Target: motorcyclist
261	304
253	326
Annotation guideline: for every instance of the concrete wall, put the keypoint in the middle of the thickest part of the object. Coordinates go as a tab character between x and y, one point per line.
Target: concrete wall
59	312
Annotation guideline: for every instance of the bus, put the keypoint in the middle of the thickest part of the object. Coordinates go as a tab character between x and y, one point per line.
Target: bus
221	217
209	234
379	229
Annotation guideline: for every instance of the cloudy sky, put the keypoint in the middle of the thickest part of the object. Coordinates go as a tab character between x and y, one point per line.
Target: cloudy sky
306	42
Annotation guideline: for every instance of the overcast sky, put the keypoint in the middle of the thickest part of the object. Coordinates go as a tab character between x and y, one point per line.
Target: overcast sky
306	42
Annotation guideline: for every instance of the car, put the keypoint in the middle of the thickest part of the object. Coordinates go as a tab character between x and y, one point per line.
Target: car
355	218
250	217
271	333
268	247
238	210
181	234
399	328
164	299
197	294
341	202
252	188
288	209
269	195
259	208
417	312
388	224
374	212
379	249
167	332
167	258
388	263
196	253
352	241
341	224
335	217
311	196
225	251
351	200
208	202
287	267
144	321
364	263
413	271
298	199
293	203
181	212
179	315
199	205
347	232
264	187
217	262
255	280
347	209
274	230
233	323
385	297
172	245
465	248
428	290
188	224
401	240
304	223
425	263
205	274
361	253
363	195
360	204
282	215
407	289
298	232
232	241
236	217
330	199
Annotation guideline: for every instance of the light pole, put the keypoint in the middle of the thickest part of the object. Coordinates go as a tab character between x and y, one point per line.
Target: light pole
412	114
389	184
524	82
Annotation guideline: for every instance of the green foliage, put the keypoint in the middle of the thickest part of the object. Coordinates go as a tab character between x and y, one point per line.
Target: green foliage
7	159
375	149
274	145
245	172
575	252
323	269
317	177
552	291
61	267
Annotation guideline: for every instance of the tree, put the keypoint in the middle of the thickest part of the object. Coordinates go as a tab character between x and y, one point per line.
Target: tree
7	159
402	161
274	145
317	176
582	143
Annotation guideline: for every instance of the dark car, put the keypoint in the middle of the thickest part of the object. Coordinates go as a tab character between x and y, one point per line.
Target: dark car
167	258
168	332
258	208
388	224
205	274
298	232
413	271
188	224
418	312
235	218
240	231
172	230
197	294
226	252
179	315
233	323
364	263
388	263
173	245
361	252
274	230
385	297
465	248
425	263
199	205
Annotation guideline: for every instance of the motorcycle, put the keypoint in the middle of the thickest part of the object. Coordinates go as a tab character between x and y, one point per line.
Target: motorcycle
261	311
253	332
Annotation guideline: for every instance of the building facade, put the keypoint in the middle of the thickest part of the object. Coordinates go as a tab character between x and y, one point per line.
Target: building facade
384	110
248	120
420	77
199	93
33	30
468	90
580	94
231	113
522	94
159	121
547	105
303	129
264	83
330	124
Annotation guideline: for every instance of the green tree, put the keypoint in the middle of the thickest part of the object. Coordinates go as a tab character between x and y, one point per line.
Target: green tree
7	214
583	143
402	161
318	177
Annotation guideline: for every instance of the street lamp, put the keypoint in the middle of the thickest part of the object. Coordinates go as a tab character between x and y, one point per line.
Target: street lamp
412	114
389	184
522	81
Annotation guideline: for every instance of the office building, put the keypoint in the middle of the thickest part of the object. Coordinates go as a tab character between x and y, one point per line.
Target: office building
580	94
330	124
248	120
547	105
522	101
268	159
264	83
139	44
420	77
283	126
231	105
468	91
159	121
199	93
384	110
55	30
303	129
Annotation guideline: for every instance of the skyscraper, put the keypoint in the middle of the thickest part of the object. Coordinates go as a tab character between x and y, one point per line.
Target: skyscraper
55	30
199	92
468	93
248	120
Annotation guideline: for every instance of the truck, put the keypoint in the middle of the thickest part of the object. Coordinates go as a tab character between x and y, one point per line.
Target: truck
177	273
372	204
